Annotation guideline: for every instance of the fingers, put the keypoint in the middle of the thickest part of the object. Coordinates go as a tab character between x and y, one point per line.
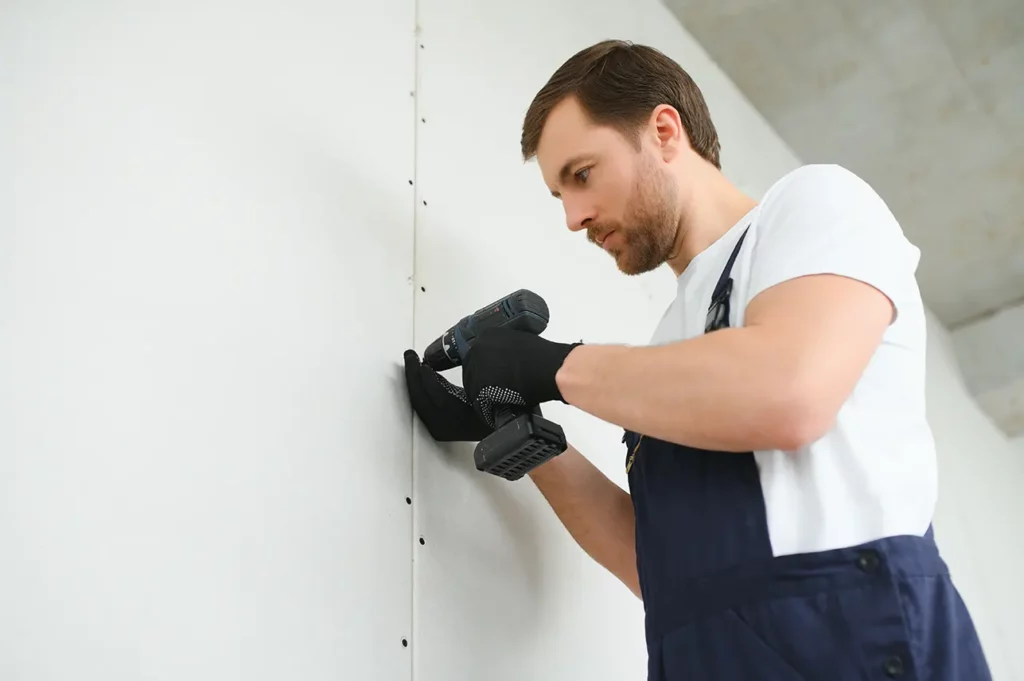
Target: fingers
412	361
414	380
426	386
440	404
412	368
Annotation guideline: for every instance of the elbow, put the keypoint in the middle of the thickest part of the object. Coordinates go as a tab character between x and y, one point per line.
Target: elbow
800	419
800	429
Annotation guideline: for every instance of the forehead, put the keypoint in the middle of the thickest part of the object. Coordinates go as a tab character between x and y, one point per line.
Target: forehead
569	137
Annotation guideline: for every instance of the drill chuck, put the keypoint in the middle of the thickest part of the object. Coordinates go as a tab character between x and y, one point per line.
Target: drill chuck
443	353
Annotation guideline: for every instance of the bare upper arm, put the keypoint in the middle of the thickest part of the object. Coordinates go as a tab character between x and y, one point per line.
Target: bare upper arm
823	329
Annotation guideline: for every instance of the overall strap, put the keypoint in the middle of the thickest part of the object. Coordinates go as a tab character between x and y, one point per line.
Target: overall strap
718	311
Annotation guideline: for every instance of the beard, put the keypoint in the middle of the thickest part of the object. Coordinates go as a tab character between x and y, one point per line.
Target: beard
648	232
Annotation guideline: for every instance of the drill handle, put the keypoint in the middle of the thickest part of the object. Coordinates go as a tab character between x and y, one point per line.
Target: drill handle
505	413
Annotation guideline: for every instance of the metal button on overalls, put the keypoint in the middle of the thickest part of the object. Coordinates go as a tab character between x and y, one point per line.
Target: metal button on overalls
719	606
867	561
894	666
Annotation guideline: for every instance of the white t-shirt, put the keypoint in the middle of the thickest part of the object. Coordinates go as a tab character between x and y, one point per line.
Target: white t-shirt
874	474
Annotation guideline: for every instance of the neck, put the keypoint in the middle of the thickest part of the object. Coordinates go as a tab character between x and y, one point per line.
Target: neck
709	214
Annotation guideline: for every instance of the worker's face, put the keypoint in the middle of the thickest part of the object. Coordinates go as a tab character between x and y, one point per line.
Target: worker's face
625	198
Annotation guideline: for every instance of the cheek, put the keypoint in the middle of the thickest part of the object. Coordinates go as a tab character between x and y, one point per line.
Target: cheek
616	196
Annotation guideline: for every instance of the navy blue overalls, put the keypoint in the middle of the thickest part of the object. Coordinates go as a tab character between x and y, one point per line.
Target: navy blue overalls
720	607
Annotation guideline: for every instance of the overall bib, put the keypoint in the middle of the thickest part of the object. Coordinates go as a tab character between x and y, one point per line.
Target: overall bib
719	606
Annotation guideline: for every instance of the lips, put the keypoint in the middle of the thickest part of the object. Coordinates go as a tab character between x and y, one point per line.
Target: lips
604	240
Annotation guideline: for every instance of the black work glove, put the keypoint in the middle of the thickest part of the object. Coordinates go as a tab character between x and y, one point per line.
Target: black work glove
508	367
441	405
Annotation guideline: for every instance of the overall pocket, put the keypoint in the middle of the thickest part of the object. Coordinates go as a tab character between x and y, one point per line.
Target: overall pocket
722	647
847	634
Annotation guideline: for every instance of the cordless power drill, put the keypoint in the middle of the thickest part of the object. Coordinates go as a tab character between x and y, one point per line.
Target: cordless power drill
523	439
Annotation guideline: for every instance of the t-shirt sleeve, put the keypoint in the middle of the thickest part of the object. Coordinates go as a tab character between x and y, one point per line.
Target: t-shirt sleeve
824	219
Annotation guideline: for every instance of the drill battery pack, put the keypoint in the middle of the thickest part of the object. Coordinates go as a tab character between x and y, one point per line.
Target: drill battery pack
519	446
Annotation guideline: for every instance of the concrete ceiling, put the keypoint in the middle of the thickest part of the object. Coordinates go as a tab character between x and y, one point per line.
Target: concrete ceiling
925	100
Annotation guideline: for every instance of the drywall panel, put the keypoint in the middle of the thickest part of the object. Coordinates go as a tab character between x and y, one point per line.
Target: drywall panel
501	590
205	291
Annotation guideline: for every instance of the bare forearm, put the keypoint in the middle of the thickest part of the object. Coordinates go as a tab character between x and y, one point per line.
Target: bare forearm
726	391
597	513
777	382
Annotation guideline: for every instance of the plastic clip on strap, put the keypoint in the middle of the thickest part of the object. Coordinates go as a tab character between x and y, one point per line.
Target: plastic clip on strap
718	311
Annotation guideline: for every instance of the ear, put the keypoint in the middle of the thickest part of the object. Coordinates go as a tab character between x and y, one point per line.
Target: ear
670	135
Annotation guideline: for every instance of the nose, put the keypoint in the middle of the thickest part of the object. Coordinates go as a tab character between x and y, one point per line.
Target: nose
577	215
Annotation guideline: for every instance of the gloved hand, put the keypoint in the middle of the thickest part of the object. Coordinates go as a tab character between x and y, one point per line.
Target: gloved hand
441	405
508	367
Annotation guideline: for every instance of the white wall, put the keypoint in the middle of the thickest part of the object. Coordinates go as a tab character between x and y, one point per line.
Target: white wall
206	244
211	260
981	510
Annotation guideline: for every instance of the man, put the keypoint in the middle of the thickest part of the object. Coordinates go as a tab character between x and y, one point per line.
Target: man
781	470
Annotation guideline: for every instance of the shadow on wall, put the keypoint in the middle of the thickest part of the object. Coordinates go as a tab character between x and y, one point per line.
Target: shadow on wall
518	551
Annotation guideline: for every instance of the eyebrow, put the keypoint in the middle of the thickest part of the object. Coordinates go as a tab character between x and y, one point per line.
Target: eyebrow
566	171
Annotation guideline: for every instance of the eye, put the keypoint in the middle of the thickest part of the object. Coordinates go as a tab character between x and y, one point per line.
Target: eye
582	174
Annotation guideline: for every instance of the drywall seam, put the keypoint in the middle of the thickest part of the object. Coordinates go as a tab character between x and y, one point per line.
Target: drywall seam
413	454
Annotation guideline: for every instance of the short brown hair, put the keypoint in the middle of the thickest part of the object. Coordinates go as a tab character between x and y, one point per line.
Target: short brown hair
619	84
